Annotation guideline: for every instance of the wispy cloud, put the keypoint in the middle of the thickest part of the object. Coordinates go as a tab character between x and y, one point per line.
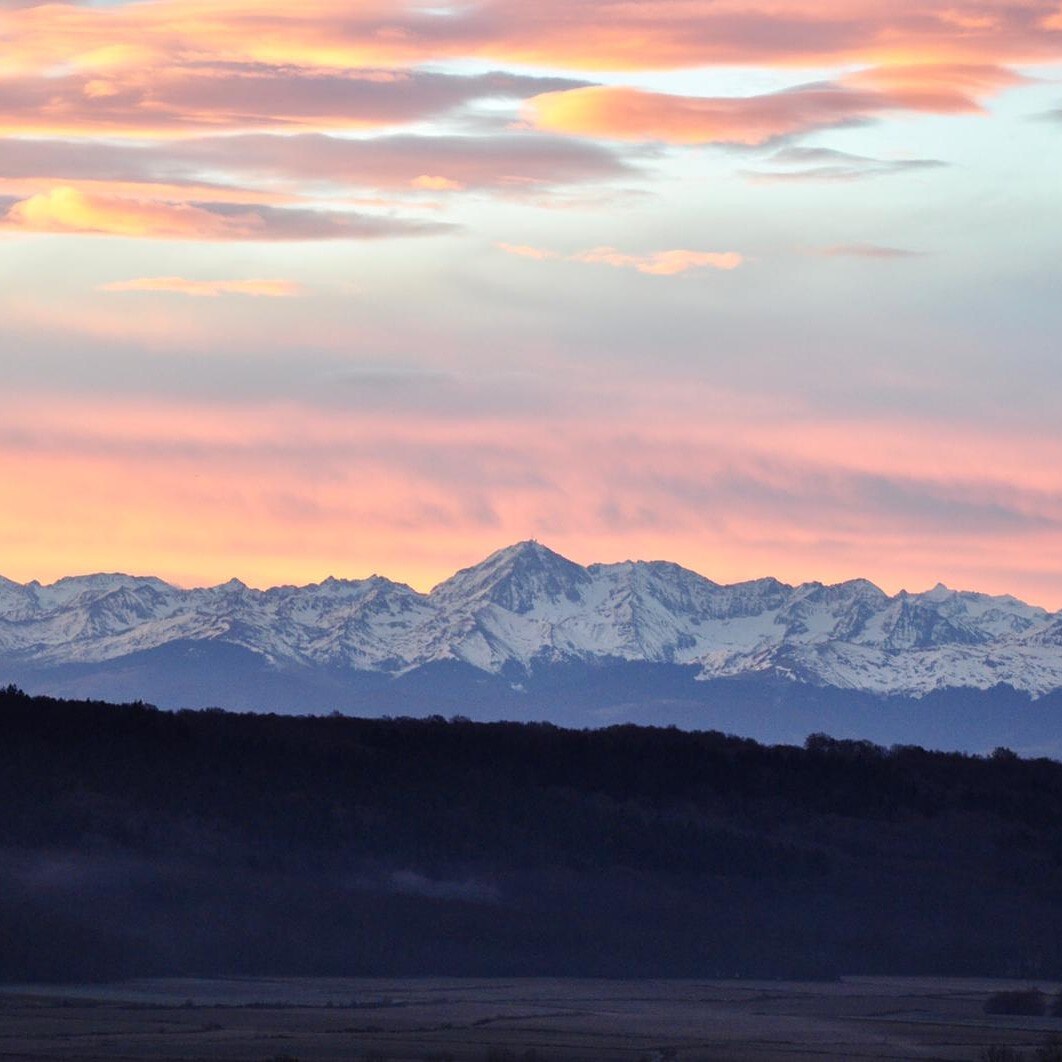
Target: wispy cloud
661	263
272	289
656	263
523	250
213	97
797	163
868	250
598	34
508	163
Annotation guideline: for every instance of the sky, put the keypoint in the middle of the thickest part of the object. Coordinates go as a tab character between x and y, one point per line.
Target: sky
763	287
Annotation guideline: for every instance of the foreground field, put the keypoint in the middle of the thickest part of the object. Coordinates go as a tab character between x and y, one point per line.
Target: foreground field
547	1020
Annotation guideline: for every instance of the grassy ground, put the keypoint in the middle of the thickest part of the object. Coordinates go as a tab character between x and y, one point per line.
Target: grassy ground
539	1020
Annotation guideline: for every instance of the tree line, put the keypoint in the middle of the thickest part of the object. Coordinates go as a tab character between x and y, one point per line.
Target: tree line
138	841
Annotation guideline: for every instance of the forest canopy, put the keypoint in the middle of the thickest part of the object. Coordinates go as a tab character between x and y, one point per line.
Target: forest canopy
137	841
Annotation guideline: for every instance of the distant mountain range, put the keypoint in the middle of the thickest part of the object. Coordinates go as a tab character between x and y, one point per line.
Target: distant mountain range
525	633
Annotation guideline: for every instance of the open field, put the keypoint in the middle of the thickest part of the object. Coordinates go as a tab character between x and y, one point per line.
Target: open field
314	1020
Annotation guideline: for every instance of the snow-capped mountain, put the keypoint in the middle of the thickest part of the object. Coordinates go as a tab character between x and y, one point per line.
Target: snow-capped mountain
525	608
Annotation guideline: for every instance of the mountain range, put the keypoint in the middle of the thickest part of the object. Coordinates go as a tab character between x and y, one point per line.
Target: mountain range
526	632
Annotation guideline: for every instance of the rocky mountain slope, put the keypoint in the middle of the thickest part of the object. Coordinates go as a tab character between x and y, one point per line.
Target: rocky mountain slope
525	608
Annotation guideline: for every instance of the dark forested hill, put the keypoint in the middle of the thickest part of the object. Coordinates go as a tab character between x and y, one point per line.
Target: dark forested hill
134	841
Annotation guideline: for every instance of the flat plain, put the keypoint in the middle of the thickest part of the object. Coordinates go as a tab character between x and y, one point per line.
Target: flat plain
517	1020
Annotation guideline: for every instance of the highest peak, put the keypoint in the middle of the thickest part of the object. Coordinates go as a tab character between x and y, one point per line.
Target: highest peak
528	555
516	577
531	556
529	547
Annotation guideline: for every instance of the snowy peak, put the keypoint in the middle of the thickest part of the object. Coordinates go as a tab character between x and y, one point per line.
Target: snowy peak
89	588
518	579
527	607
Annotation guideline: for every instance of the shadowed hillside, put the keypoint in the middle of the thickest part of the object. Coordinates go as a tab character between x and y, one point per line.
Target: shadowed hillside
135	841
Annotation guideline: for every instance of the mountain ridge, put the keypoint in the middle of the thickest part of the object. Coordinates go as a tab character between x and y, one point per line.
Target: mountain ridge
526	607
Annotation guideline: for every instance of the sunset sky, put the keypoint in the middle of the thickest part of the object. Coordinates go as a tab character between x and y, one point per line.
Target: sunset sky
336	287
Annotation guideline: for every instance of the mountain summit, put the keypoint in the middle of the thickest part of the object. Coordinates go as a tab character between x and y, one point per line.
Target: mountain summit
519	579
525	608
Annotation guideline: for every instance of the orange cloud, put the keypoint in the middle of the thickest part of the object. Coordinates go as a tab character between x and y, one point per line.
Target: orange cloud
272	289
436	184
633	114
621	113
942	88
139	187
67	209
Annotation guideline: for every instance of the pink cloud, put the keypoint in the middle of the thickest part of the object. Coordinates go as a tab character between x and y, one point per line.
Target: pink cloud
275	165
182	100
598	34
507	162
732	496
220	487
